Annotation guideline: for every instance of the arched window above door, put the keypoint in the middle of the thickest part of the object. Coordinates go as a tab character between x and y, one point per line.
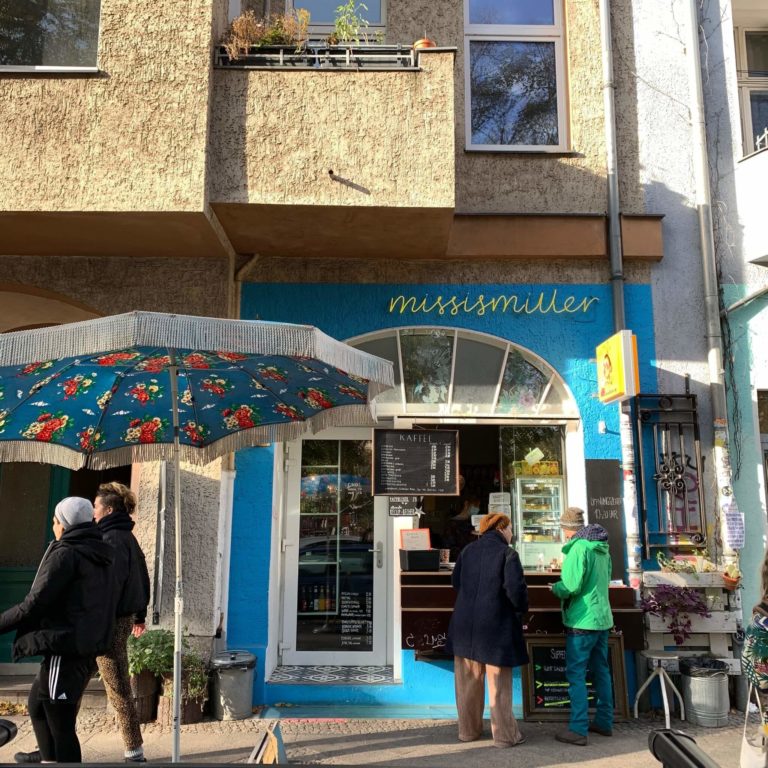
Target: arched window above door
451	372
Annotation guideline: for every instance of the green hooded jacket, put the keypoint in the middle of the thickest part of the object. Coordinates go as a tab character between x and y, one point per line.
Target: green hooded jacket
583	587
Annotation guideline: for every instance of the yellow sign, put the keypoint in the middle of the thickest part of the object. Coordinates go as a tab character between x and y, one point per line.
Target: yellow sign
617	368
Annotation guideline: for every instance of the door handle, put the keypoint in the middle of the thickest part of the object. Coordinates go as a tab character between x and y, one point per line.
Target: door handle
379	550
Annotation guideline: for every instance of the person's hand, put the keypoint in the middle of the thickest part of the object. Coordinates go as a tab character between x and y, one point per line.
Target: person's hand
138	630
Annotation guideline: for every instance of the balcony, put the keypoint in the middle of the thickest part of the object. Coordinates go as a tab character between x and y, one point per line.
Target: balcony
305	150
750	177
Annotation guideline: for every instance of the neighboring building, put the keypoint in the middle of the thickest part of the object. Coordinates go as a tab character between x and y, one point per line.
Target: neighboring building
735	77
423	209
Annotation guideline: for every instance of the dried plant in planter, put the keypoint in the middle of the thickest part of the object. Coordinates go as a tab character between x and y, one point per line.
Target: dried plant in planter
676	604
248	30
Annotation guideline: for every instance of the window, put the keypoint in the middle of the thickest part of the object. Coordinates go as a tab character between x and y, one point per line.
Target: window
323	12
752	57
515	75
42	34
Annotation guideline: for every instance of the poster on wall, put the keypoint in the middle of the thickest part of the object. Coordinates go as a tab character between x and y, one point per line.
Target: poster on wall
423	462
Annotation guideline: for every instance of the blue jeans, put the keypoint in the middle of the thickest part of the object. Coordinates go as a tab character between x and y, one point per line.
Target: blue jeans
584	651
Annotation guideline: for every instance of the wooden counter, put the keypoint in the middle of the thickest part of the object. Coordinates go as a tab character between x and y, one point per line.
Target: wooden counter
427	598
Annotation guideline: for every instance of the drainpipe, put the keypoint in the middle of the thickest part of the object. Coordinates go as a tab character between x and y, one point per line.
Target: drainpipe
721	451
631	520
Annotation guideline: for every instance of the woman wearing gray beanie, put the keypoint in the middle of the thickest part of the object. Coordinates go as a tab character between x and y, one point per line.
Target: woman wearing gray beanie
67	617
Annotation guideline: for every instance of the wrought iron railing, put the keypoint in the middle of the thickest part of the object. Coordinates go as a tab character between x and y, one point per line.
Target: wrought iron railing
671	470
363	57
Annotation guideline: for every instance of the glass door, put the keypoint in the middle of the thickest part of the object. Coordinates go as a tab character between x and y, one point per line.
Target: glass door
335	601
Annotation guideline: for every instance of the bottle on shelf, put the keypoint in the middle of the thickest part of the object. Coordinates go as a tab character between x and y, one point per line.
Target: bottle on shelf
540	566
303	600
316	599
322	598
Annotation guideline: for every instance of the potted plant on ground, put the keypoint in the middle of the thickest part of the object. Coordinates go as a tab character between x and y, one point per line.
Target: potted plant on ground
149	656
676	604
194	689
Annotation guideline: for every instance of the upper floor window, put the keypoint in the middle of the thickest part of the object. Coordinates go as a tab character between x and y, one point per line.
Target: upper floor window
752	58
43	34
322	13
515	75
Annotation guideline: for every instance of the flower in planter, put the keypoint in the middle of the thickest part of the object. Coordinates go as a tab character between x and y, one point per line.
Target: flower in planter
676	604
248	30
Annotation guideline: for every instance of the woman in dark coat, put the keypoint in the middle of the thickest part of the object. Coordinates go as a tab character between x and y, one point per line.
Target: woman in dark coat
67	617
485	635
113	507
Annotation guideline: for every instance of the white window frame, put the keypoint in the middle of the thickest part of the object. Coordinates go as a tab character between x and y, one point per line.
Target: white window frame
747	85
519	33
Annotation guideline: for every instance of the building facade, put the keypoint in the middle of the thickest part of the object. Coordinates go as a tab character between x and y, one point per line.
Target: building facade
446	208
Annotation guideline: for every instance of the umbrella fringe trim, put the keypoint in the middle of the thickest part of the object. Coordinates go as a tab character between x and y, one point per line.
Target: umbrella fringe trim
154	329
42	453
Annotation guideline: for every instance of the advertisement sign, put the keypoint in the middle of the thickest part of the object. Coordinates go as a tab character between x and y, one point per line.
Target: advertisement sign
617	368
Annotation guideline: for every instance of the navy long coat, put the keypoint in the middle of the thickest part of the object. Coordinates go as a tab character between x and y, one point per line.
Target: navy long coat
486	624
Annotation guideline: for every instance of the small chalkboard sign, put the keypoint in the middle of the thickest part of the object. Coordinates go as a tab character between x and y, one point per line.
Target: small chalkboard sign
605	506
545	686
423	462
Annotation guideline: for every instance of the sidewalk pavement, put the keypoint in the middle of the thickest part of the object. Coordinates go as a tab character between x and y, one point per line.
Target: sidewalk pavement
389	742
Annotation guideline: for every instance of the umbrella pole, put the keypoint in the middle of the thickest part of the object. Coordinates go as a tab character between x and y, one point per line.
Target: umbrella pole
178	604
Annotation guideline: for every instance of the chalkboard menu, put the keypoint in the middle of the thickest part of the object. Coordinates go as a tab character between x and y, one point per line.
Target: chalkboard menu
415	462
404	506
545	686
605	506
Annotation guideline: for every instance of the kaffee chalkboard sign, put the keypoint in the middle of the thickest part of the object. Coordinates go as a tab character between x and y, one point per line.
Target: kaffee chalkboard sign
423	462
545	686
605	506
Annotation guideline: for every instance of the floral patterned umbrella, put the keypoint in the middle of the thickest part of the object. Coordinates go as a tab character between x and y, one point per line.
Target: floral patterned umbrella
146	386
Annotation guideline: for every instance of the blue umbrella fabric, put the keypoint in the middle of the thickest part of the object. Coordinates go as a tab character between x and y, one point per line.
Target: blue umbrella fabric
98	393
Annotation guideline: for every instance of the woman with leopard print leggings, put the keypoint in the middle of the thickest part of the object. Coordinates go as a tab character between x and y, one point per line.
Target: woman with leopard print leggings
113	507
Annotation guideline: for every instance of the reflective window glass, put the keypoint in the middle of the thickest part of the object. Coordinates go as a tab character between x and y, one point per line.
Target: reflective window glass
757	54
324	11
63	33
526	12
513	94
476	375
427	356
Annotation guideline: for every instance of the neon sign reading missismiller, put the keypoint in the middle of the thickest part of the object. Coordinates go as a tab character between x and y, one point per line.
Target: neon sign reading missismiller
543	303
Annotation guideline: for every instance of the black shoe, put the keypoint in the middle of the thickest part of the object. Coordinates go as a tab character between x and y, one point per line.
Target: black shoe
569	737
141	759
598	729
28	757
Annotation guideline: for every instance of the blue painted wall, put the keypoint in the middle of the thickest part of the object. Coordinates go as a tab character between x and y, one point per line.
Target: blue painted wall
565	340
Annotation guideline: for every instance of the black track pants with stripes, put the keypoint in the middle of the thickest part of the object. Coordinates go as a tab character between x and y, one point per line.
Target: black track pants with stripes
54	700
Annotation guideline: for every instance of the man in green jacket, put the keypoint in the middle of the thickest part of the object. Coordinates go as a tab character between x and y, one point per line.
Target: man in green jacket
583	591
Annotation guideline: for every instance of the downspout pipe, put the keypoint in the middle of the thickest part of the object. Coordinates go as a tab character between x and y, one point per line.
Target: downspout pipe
631	519
721	450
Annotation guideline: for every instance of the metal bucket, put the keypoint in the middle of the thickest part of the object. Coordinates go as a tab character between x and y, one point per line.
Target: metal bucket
705	691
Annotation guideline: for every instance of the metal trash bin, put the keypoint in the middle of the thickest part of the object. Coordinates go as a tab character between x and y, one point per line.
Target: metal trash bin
705	691
232	685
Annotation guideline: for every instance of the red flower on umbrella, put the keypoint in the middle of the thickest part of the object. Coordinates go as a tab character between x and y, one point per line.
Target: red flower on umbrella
90	439
232	357
316	398
196	432
113	358
345	389
148	430
217	386
240	417
273	372
196	360
154	364
288	410
35	368
47	426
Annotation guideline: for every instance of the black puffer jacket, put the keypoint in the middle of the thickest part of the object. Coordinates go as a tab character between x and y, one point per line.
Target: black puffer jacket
70	608
486	624
131	579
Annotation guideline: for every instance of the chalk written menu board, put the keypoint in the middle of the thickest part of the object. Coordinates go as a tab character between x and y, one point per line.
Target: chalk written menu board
545	686
605	506
415	462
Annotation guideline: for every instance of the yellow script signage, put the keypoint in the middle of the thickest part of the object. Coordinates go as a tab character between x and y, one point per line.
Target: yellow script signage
617	370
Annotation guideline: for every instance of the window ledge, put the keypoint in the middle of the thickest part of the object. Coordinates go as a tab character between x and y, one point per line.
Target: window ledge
525	152
32	70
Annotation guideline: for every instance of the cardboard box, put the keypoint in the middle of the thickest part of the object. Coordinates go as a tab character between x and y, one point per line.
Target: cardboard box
420	559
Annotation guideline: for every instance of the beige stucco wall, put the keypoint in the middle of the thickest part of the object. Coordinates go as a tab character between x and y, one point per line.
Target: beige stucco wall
535	183
276	134
132	137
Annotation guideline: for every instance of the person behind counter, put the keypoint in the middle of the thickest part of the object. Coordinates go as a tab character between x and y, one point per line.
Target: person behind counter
583	591
485	635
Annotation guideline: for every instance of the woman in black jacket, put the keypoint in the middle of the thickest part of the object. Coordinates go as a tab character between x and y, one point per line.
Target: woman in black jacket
113	507
67	617
485	635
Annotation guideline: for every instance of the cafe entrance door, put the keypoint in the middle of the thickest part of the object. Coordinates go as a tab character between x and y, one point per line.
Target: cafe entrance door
335	562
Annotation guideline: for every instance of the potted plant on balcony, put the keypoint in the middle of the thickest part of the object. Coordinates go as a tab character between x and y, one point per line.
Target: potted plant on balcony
149	656
249	36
